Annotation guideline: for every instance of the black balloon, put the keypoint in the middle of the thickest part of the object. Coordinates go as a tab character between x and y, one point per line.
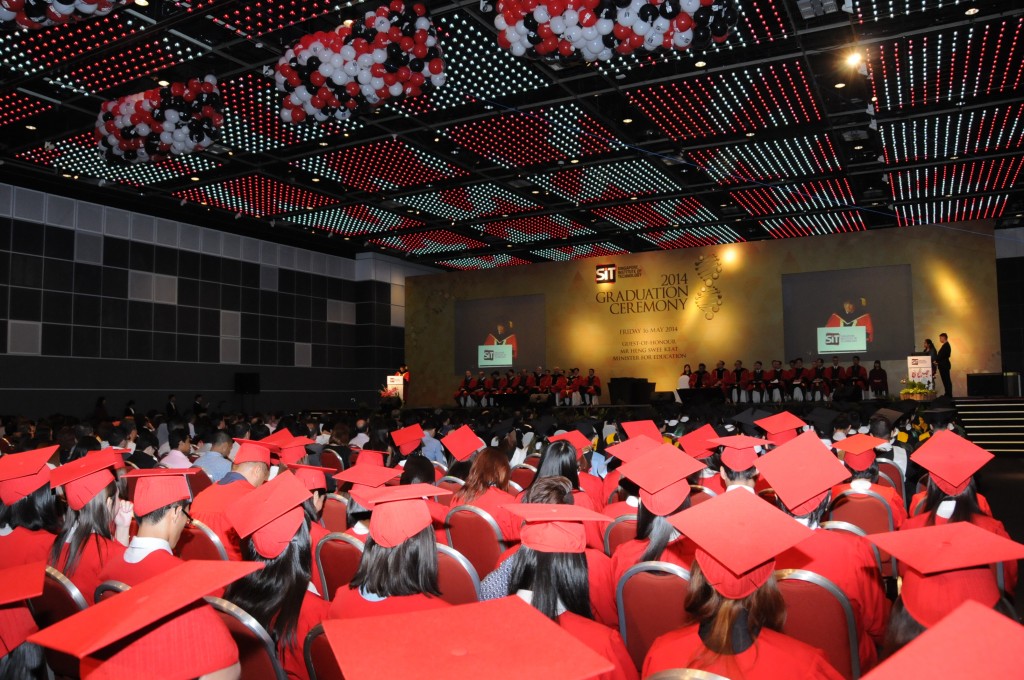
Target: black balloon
719	28
701	37
703	16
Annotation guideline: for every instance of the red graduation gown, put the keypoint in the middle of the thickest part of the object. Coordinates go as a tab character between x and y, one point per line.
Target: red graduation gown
92	557
605	641
679	552
349	604
132	574
593	486
210	506
23	546
492	501
316	533
899	513
773	656
919	498
848	561
314	610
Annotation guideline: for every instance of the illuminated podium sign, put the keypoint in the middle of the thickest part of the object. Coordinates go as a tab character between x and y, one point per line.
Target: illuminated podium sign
919	368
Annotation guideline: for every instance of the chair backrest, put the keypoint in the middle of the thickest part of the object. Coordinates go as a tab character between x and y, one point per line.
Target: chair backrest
618	532
452	484
699	494
768	495
533	460
650	596
512	486
818	613
871	513
523	474
198	483
885	480
108	588
474	533
329	458
335	514
337	558
919	508
853	529
456	577
922	483
60	599
895	475
685	674
257	653
321	664
199	542
615	497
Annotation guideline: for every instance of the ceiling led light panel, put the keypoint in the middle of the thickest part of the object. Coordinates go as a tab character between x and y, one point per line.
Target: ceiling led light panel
77	155
531	229
692	237
521	139
381	166
15	106
256	196
876	10
814	225
954	66
769	161
609	182
580	251
821	194
968	133
29	52
483	262
252	122
749	100
657	213
354	220
955	210
469	202
136	61
476	70
429	242
955	180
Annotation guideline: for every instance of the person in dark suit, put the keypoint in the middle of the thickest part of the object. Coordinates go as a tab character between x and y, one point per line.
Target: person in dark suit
942	360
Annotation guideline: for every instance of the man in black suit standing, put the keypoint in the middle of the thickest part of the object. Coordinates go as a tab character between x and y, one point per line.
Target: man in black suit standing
942	360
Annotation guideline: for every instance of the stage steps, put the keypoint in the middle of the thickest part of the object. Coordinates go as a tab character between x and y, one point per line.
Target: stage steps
995	424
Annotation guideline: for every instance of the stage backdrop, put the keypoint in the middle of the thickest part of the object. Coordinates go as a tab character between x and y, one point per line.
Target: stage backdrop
647	315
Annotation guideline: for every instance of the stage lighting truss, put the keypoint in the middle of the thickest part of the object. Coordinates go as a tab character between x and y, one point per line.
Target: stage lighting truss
255	195
790	198
608	182
580	251
533	229
428	242
818	224
469	202
692	237
665	213
381	166
354	220
769	161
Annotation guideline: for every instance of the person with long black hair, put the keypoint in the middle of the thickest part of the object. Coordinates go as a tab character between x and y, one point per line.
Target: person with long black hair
549	571
29	519
85	543
274	529
559	460
315	480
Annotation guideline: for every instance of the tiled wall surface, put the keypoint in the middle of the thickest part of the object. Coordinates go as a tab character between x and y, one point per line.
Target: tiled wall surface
87	281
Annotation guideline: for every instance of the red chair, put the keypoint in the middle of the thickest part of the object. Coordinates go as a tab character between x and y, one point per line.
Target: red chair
321	663
856	531
618	532
685	674
818	613
523	474
257	652
699	494
456	578
474	533
199	542
335	514
893	477
108	588
452	484
60	599
650	597
337	558
329	458
869	512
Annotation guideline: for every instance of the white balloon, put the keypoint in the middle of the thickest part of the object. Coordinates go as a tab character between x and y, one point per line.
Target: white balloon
661	24
380	56
351	69
518	49
574	34
326	69
627	16
364	77
690	6
365	60
7	15
605	26
143	129
342	114
166	137
605	54
376	83
683	38
395	90
541	14
422	24
180	135
590	33
571	17
63	8
171	116
438	80
339	77
286	114
557	25
641	27
653	41
521	28
84	7
499	22
348	53
337	61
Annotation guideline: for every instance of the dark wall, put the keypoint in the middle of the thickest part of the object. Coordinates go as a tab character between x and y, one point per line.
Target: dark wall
1010	277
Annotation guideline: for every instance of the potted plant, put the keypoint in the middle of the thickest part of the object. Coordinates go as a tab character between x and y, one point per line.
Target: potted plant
916	391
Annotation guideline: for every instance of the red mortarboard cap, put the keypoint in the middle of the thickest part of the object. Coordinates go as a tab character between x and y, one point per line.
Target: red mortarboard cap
399	512
554	528
462	443
859	450
940	560
154	488
738	535
781	427
23	473
271	514
698	443
973	639
251	452
277	437
128	615
115	455
739	460
292	450
83	478
951	460
408	439
367	475
661	475
647	428
633	447
578	440
476	636
313	477
17	584
738	441
801	472
370	458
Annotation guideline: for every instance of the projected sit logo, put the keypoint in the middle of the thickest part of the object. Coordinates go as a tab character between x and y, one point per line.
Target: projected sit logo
833	339
488	355
605	273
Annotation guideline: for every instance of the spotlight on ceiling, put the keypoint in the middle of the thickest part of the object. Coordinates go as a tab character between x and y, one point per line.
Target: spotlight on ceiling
854	58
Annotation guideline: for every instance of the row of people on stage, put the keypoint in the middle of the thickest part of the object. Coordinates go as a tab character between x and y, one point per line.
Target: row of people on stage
571	388
818	382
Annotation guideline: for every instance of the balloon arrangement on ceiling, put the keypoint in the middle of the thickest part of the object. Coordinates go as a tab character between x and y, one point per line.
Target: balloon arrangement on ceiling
35	14
392	53
599	30
168	121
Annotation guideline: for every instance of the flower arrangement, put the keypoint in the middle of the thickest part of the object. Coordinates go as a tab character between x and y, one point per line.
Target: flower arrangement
916	391
388	392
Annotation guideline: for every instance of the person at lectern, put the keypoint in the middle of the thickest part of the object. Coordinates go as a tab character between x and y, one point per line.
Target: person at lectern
942	361
503	335
853	314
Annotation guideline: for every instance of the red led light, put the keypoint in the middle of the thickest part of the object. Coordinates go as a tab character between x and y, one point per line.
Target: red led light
792	226
253	19
428	242
958	134
693	237
820	194
58	44
955	180
131	63
539	228
15	106
354	220
580	251
256	196
769	161
955	210
686	210
609	182
469	202
483	262
381	166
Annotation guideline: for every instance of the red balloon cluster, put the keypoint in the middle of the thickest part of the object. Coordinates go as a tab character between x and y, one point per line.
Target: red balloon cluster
35	14
393	52
167	121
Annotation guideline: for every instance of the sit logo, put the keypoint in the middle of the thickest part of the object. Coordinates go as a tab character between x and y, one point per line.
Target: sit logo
488	355
832	339
605	273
